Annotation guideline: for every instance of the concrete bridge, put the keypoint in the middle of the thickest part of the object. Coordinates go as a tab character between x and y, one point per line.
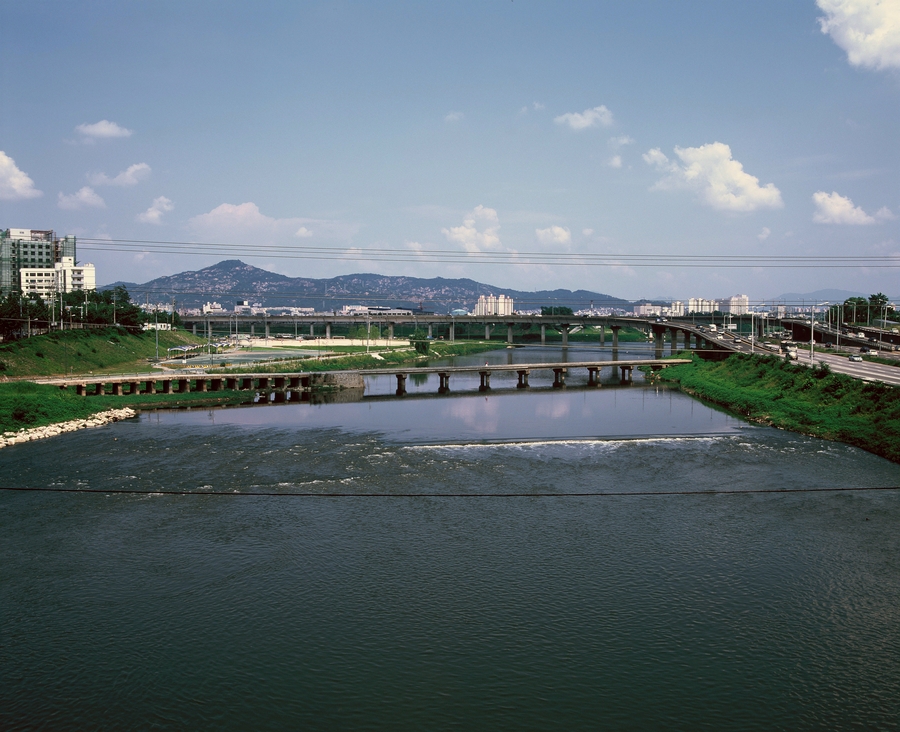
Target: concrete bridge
291	386
321	324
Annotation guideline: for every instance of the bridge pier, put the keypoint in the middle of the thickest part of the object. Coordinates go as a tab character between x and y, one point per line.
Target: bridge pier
509	333
194	329
327	330
252	330
390	331
673	334
565	336
452	332
593	376
150	386
626	374
430	336
559	378
199	384
543	335
487	332
133	387
602	335
485	381
401	384
523	379
615	336
267	330
444	387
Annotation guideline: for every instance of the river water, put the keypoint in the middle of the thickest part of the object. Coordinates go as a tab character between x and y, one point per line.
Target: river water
453	563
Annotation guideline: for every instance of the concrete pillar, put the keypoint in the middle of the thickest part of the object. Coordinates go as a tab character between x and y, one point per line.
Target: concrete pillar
200	384
543	335
523	379
312	330
263	382
487	332
194	328
99	389
327	330
445	383
209	330
615	332
593	376
267	330
117	388
151	386
452	331
134	388
215	384
673	333
81	389
565	336
485	381
401	384
559	378
509	333
167	386
231	383
429	331
390	331
602	335
252	330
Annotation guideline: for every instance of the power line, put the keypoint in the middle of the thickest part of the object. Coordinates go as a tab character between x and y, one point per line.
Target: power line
589	494
531	258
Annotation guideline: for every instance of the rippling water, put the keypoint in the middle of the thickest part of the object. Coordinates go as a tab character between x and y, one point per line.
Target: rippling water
702	611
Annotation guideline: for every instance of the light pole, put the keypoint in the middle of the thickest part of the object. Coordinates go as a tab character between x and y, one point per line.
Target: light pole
812	328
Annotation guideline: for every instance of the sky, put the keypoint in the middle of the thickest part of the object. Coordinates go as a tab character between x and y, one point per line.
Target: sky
621	147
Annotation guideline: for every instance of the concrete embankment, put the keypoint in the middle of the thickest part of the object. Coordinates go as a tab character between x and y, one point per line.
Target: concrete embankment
40	433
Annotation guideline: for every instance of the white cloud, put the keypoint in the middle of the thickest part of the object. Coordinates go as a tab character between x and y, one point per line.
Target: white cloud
15	185
588	118
478	231
303	233
833	208
153	215
620	141
537	106
102	130
868	30
244	223
764	234
454	117
84	198
720	180
615	161
130	177
558	235
587	232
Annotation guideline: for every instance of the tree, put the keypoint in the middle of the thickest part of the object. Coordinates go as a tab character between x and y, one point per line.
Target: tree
556	310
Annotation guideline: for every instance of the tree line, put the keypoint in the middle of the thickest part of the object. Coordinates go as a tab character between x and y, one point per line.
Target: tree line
22	314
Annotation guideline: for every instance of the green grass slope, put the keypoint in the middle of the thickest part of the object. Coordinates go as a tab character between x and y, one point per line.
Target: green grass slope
789	396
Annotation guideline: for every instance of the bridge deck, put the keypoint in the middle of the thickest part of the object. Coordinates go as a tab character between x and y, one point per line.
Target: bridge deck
629	363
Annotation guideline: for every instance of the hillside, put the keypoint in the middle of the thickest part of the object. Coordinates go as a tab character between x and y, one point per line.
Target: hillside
232	280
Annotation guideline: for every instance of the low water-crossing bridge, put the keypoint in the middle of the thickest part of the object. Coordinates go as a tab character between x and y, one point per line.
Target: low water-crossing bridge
290	386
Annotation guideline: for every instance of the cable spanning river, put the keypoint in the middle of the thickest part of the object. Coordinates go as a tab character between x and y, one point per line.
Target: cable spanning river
445	569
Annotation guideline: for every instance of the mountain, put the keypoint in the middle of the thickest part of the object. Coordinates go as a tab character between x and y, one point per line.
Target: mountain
832	296
233	280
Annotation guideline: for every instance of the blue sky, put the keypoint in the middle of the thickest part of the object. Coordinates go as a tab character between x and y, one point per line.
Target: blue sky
495	127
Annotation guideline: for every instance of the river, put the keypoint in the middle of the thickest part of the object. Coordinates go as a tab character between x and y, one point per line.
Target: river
452	563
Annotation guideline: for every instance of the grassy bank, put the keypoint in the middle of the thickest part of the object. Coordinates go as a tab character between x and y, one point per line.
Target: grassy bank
813	402
385	359
105	350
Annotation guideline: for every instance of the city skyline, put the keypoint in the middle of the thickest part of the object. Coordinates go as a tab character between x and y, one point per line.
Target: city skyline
307	136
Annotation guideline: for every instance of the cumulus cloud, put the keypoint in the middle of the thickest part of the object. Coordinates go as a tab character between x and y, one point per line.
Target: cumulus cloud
719	180
478	231
84	198
153	215
588	118
620	141
764	234
244	223
15	185
587	232
303	233
833	208
557	235
615	161
868	30
454	117
103	129
130	177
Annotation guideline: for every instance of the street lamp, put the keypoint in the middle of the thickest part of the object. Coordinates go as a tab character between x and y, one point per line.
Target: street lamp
812	328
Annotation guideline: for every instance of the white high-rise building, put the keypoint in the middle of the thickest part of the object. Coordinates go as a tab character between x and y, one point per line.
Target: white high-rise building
491	305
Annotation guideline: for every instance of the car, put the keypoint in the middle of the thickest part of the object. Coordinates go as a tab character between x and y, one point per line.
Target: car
856	357
864	349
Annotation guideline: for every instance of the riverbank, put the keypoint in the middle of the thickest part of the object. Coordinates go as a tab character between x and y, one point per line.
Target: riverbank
816	402
39	433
